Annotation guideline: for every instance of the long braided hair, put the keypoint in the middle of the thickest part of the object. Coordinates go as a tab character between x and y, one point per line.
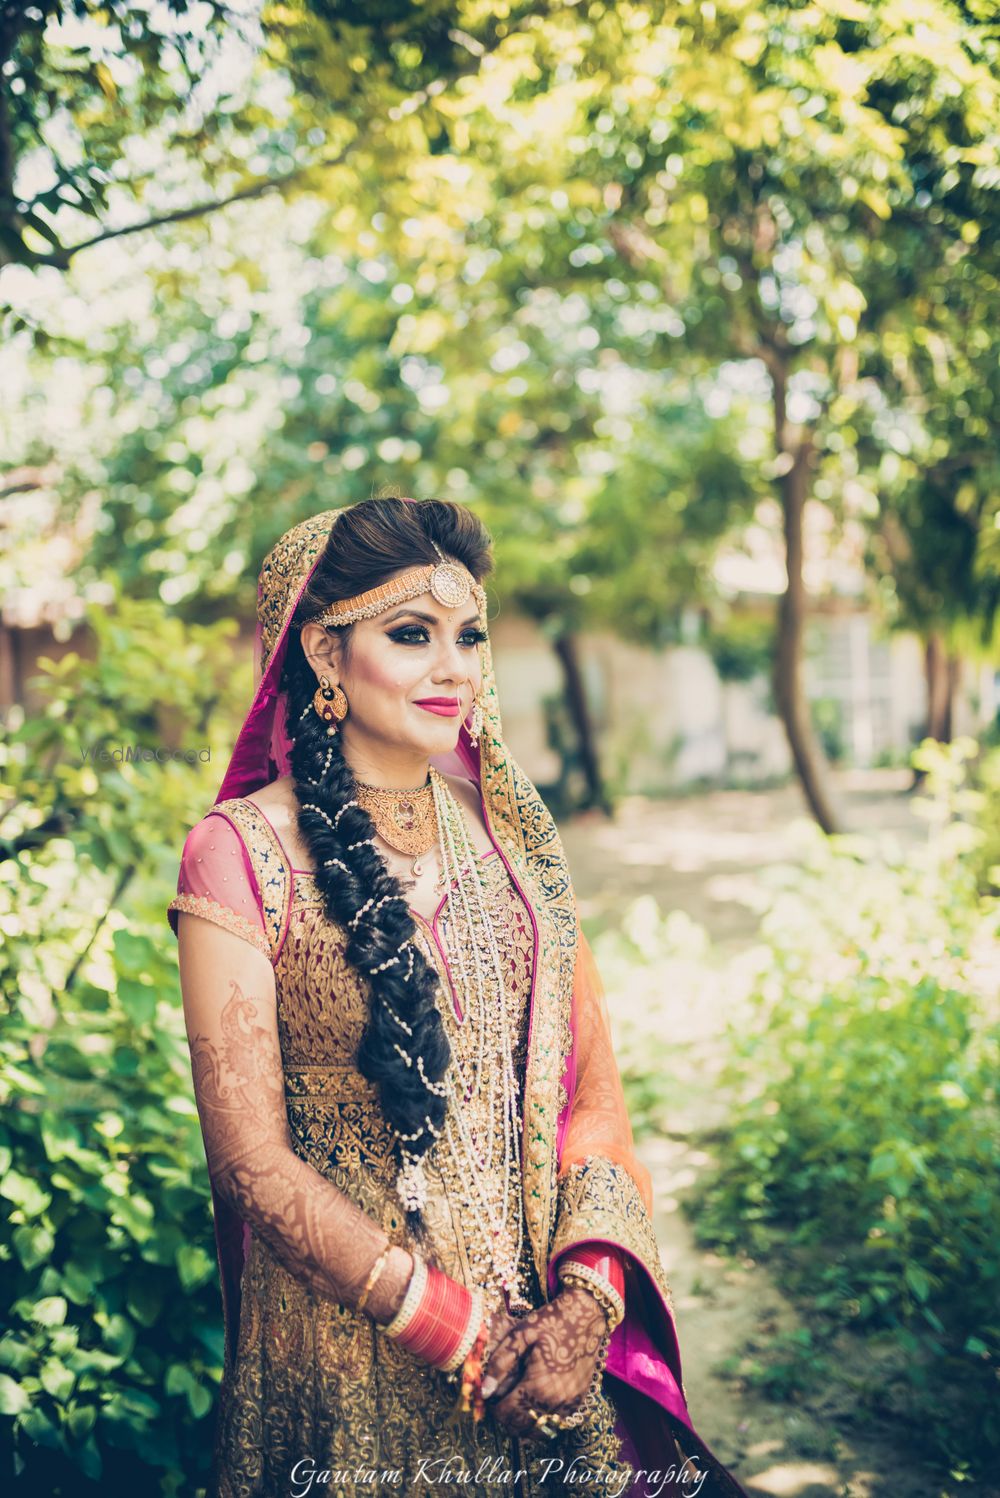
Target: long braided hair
367	544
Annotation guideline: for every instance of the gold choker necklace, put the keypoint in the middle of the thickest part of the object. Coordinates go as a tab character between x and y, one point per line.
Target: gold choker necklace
405	819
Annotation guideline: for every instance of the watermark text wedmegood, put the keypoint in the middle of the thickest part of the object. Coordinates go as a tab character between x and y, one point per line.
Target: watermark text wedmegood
128	754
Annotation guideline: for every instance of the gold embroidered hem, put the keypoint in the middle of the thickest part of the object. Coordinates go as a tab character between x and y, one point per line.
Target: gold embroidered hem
597	1198
316	1385
230	920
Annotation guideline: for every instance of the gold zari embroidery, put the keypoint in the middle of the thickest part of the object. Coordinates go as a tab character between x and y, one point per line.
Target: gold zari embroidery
599	1199
222	915
312	1379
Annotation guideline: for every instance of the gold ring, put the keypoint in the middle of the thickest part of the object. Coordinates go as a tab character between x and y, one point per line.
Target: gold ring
546	1425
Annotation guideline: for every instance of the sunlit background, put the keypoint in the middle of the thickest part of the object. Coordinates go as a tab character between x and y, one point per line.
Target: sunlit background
696	305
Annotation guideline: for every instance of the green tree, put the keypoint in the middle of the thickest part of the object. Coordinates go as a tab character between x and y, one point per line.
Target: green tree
758	181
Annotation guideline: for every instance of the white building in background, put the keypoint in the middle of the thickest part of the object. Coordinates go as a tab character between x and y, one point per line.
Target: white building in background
666	719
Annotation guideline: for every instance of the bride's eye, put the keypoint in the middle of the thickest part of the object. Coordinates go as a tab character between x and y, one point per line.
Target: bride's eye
409	634
416	634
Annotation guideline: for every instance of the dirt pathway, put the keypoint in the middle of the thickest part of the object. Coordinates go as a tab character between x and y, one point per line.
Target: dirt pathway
703	855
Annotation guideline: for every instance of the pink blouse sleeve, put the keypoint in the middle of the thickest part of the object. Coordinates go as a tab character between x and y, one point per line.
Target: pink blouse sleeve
216	881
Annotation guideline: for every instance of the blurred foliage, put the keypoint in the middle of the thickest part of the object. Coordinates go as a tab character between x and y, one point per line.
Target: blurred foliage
741	645
112	1347
865	1142
597	270
828	718
82	79
985	781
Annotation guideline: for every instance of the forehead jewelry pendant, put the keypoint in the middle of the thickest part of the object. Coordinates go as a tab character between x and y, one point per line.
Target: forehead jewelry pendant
450	585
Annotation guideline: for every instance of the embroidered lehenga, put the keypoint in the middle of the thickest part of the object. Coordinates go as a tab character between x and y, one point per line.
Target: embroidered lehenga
311	1386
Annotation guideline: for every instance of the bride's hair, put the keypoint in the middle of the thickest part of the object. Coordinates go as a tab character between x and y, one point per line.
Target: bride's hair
367	544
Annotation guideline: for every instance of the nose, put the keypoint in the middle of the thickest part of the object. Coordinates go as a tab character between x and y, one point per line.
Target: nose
451	668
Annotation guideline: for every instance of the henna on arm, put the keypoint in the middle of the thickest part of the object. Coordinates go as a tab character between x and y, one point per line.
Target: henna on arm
313	1228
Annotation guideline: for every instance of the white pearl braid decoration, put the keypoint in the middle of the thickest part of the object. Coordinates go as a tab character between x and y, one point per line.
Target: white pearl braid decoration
470	1127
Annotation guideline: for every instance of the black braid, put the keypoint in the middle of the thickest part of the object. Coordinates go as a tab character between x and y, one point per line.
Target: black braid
349	870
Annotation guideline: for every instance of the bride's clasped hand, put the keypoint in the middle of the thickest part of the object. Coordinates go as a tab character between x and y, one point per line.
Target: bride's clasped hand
543	1363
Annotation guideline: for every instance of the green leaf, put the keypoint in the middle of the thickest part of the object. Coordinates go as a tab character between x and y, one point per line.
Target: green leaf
133	953
144	1301
59	1136
13	1399
119	1336
89	1457
194	1266
24	1193
15	1354
178	1378
78	1283
57	1379
34	1245
199	1400
138	1000
38	1427
80	1420
918	1281
51	1311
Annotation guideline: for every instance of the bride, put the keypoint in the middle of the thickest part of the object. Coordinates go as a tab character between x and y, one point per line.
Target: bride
434	1236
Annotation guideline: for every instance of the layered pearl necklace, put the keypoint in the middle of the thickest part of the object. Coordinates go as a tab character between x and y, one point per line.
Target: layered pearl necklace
481	1085
485	1091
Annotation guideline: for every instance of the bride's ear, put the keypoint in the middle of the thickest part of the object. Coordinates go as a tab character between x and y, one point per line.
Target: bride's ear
323	649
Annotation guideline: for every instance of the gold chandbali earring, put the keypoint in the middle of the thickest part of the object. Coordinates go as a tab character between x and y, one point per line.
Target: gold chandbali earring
330	703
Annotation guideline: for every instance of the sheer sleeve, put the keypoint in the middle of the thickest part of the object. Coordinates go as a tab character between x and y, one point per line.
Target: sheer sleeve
315	1230
604	1208
598	1122
216	882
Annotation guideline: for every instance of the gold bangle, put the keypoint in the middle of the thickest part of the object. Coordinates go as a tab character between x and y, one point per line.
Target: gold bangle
373	1274
607	1297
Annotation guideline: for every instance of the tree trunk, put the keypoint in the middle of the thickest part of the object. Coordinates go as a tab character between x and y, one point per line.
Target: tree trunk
789	682
940	684
565	646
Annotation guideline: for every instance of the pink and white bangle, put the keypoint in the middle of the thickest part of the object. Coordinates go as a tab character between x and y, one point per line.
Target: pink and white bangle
603	1257
575	1270
439	1317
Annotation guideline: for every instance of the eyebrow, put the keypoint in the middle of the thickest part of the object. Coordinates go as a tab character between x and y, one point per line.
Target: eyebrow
428	618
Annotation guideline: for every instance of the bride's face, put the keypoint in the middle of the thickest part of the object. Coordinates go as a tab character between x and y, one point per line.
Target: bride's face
409	675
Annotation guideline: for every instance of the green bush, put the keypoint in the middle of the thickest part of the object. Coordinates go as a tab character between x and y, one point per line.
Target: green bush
865	1144
742	646
113	1343
986	855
